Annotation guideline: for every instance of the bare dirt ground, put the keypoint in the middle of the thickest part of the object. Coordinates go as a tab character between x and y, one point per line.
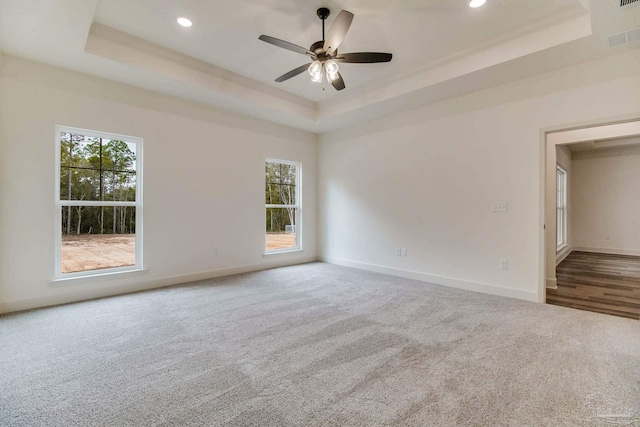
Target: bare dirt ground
280	241
97	251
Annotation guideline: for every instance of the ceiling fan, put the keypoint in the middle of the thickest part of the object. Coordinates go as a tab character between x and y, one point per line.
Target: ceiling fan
324	53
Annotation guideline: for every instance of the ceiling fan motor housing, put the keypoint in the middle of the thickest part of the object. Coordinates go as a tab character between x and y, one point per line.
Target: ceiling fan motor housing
317	47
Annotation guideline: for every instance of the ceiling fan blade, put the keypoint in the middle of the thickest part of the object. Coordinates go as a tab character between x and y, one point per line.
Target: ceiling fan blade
363	57
293	73
337	31
338	83
286	45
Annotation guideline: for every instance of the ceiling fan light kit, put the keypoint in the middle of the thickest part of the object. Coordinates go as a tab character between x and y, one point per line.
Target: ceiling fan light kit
328	69
324	53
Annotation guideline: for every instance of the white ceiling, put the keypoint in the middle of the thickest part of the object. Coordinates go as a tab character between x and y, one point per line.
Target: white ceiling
441	48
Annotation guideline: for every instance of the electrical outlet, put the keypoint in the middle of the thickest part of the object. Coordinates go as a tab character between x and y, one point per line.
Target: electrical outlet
504	264
501	207
398	251
607	237
331	243
404	251
216	252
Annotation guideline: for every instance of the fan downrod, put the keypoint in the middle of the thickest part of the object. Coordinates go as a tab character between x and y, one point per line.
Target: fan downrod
323	13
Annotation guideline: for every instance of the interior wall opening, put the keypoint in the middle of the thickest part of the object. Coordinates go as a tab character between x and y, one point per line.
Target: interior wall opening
592	219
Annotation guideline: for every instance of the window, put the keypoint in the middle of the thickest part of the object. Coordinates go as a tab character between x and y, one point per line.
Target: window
561	203
98	202
282	203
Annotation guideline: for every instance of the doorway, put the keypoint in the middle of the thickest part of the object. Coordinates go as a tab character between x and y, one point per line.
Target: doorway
592	239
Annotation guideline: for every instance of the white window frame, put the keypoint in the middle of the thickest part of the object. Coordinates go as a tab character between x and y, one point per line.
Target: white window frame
561	208
59	204
297	206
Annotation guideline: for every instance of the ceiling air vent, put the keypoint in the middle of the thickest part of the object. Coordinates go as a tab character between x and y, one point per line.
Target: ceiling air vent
633	35
629	36
617	40
627	3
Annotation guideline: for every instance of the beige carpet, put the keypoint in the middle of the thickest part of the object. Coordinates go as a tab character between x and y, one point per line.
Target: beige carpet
317	345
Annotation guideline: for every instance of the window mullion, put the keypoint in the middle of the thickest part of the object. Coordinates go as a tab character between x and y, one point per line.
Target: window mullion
96	203
282	206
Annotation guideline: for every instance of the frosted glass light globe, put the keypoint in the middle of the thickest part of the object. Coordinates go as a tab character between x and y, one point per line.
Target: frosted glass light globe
315	71
331	67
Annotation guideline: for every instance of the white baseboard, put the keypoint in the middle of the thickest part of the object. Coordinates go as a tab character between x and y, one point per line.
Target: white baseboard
560	256
632	252
438	280
552	283
88	294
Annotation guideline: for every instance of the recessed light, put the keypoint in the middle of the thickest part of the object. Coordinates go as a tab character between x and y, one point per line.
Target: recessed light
476	3
184	22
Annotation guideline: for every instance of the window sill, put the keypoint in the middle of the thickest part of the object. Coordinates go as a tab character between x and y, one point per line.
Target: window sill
282	252
561	247
96	277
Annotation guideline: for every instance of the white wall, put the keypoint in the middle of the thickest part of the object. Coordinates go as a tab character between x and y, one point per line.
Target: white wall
203	182
563	158
426	179
606	200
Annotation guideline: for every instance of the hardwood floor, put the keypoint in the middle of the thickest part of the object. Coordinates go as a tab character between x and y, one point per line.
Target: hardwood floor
599	282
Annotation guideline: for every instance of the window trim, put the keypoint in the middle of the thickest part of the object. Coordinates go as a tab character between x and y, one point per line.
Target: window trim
59	204
297	206
561	229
